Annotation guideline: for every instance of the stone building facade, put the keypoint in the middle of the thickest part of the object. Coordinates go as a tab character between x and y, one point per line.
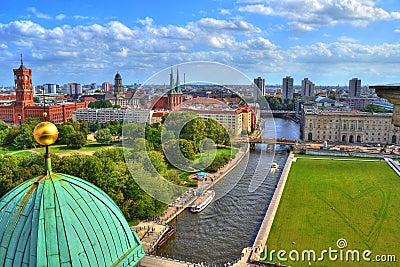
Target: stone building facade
348	127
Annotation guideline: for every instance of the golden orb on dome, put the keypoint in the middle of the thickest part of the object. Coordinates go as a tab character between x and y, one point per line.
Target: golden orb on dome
44	114
45	133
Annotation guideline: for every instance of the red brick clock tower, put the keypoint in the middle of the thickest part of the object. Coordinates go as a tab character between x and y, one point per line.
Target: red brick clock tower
24	93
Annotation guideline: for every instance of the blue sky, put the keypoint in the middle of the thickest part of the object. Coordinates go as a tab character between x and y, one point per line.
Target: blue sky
328	41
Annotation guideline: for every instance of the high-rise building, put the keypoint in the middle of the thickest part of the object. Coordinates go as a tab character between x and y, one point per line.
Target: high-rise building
260	82
287	88
105	87
75	89
354	87
50	88
307	88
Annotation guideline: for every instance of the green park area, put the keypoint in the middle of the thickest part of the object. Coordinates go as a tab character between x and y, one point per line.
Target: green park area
328	200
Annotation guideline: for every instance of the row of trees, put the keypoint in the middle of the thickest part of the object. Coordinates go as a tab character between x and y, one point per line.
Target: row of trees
102	104
72	134
106	169
375	109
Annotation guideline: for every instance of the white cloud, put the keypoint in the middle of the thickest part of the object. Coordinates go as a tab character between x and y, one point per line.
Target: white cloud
258	9
215	24
79	17
3	46
38	14
397	30
298	27
347	39
68	54
60	16
123	53
315	13
225	12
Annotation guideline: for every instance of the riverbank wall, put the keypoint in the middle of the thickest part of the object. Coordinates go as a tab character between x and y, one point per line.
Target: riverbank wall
335	153
222	173
263	232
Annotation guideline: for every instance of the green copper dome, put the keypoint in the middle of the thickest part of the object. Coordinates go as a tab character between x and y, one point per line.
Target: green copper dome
61	220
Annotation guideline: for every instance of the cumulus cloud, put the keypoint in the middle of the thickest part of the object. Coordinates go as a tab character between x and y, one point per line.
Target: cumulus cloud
298	27
215	24
308	14
258	9
397	30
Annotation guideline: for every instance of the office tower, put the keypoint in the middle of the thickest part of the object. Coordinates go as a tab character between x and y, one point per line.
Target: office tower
287	88
354	87
260	82
307	88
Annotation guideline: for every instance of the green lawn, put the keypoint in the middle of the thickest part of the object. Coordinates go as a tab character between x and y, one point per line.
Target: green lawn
22	153
337	157
64	148
326	200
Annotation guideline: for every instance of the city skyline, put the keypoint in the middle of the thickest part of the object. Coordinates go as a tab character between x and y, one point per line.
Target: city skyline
329	42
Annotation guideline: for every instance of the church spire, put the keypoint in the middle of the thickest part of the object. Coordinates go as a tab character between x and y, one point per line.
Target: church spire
171	79
22	62
177	85
177	78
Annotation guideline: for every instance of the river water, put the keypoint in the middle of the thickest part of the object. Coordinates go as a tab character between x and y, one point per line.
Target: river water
230	223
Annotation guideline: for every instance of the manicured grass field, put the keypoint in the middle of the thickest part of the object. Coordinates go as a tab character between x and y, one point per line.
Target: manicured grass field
326	200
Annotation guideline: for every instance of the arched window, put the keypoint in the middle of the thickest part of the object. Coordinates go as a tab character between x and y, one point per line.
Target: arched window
344	138
309	136
394	139
351	139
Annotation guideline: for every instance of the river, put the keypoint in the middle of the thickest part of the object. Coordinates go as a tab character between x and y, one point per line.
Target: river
230	223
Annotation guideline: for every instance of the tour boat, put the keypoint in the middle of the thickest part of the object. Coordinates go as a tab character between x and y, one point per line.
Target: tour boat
203	200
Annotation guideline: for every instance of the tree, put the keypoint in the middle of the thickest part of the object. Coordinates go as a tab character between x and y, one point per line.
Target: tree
188	149
84	127
218	162
132	131
274	103
153	135
77	140
25	139
11	135
3	135
375	109
216	132
3	125
116	154
100	104
65	131
194	131
103	136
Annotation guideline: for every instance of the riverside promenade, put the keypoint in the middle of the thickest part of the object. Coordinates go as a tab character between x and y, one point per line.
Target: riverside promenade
262	236
187	199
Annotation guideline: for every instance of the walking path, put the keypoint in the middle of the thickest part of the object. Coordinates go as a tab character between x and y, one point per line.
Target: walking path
262	236
394	165
187	199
